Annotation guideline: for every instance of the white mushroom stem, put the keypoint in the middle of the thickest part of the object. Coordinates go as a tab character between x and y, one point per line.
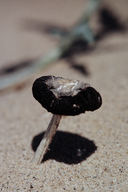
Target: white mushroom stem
48	136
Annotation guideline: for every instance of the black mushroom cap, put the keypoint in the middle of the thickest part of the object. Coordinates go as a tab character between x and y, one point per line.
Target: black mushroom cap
65	97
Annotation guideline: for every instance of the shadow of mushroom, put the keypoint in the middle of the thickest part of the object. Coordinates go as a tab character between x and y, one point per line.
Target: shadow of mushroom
66	147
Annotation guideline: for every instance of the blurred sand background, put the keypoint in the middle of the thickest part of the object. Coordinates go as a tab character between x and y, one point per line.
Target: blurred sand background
89	151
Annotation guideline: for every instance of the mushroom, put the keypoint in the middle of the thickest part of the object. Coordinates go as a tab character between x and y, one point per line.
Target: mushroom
62	96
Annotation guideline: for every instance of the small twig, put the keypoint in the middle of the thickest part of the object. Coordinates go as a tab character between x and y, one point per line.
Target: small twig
81	29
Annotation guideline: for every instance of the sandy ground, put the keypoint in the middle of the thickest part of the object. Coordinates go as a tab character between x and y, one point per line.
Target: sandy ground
89	151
